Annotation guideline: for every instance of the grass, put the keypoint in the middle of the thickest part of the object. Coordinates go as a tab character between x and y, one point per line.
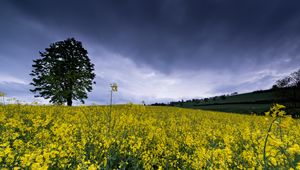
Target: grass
255	102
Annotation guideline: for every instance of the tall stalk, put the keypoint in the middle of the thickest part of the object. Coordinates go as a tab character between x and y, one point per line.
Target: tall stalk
265	144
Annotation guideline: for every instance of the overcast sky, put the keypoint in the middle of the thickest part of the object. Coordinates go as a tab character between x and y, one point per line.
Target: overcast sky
156	50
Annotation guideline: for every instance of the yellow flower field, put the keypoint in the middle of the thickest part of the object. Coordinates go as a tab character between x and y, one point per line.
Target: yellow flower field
144	137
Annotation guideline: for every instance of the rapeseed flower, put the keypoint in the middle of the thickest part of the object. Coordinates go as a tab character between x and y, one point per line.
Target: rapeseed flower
140	137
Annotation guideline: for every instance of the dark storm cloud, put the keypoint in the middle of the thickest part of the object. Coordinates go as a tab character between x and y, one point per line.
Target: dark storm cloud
179	34
157	50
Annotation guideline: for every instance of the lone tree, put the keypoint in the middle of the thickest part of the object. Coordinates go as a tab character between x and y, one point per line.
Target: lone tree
63	73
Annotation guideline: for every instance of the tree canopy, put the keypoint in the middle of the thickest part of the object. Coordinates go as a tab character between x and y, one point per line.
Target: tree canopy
291	82
63	73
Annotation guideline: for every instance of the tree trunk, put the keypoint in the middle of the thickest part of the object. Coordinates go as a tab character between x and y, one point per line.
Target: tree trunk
70	94
69	101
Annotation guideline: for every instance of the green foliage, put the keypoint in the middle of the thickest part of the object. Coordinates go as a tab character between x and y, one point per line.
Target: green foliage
292	82
63	73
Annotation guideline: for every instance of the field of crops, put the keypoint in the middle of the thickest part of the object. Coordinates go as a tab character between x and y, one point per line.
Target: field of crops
144	137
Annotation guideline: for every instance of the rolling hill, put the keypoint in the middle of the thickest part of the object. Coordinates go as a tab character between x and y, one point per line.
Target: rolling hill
254	102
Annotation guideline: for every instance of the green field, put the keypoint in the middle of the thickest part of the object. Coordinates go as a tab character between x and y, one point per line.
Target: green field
255	102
